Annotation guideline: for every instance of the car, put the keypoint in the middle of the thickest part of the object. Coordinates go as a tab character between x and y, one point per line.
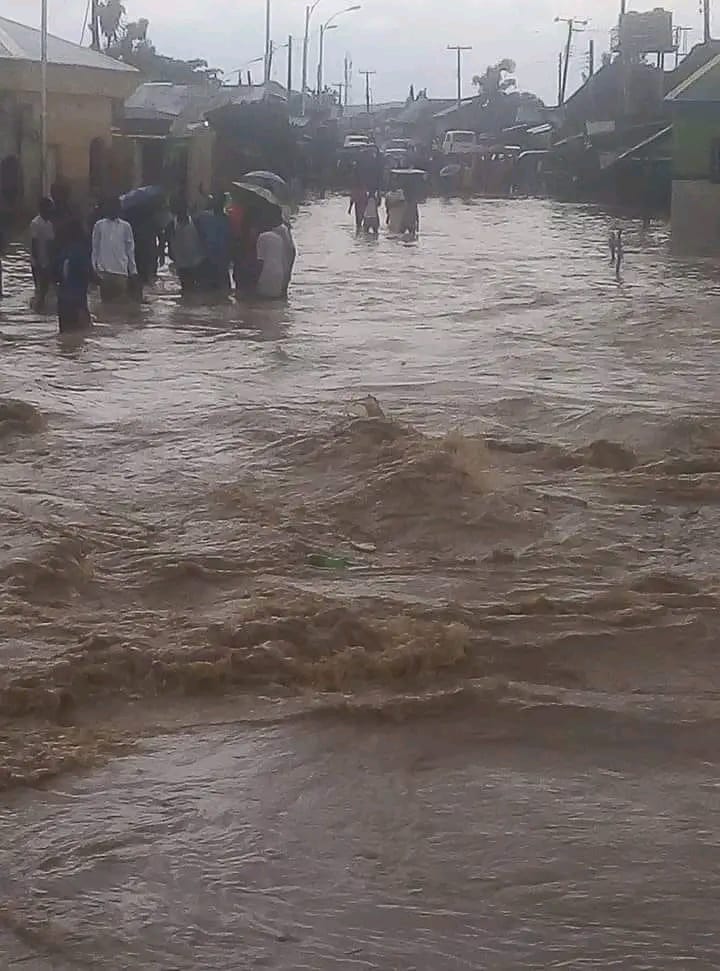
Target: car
397	158
357	141
404	144
460	143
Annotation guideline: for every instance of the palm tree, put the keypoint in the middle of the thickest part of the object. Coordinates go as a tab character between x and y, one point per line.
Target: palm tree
496	80
110	16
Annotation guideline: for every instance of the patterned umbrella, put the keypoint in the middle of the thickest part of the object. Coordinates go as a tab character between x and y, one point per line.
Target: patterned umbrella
271	181
250	194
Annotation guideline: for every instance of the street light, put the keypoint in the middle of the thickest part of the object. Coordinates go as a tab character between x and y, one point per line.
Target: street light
323	30
330	25
309	11
268	42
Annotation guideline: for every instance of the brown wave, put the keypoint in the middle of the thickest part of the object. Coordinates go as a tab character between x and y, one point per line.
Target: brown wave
704	463
318	644
56	711
19	418
32	755
55	568
294	641
384	481
600	454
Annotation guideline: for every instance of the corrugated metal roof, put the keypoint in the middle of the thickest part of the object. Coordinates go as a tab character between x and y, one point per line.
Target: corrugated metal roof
168	99
353	111
19	42
652	140
700	86
193	100
465	103
422	110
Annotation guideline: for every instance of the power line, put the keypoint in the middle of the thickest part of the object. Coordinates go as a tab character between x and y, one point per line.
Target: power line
459	49
575	26
367	75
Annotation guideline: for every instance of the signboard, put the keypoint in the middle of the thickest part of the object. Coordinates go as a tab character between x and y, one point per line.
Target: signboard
650	32
599	127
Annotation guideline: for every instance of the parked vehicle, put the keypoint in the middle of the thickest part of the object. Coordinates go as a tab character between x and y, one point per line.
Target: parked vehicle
357	140
460	143
397	158
406	144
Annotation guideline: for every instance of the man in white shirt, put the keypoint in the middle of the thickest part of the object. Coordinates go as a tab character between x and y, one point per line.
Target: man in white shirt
276	257
113	253
42	239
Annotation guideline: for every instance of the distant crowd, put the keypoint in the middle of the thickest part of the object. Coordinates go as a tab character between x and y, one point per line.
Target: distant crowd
224	244
402	215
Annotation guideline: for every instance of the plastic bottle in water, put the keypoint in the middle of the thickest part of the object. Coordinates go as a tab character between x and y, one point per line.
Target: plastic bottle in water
328	562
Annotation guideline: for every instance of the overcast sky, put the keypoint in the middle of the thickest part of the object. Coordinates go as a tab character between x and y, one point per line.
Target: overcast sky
403	40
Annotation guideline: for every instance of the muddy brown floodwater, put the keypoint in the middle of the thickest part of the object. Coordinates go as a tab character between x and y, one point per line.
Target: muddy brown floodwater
488	742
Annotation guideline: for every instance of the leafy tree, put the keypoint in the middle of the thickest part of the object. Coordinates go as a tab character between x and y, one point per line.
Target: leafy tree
111	14
128	41
496	81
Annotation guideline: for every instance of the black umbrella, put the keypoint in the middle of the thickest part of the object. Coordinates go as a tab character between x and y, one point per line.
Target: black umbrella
270	181
146	195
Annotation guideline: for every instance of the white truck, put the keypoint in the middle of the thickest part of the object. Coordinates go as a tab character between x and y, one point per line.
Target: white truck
460	143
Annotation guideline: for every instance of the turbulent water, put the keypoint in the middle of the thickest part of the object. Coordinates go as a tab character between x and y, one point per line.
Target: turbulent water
486	737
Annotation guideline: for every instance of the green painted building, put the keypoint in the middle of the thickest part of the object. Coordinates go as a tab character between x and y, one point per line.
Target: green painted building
695	106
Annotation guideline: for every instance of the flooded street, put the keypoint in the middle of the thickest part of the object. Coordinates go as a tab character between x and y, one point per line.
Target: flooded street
485	738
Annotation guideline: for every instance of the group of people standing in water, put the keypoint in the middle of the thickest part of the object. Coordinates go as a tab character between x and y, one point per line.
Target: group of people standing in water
401	208
220	246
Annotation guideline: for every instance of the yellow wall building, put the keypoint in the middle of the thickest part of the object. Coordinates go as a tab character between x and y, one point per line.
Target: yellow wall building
85	91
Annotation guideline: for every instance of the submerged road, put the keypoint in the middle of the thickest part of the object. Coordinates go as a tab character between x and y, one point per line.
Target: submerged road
488	741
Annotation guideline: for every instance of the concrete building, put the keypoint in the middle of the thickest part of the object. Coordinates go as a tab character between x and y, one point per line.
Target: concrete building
163	138
695	105
84	89
190	136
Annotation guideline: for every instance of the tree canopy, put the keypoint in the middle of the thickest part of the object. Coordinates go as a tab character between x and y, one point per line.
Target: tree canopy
128	41
497	80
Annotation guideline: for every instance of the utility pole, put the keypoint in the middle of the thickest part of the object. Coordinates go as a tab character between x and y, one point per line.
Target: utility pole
560	77
707	25
348	81
44	179
574	26
94	25
306	42
268	42
321	57
290	68
591	58
459	49
367	75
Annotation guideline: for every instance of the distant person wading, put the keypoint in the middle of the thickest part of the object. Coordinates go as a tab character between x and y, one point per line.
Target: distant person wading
72	277
42	241
186	249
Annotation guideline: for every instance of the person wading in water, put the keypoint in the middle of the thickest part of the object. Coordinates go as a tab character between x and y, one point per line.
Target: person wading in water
72	277
113	253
